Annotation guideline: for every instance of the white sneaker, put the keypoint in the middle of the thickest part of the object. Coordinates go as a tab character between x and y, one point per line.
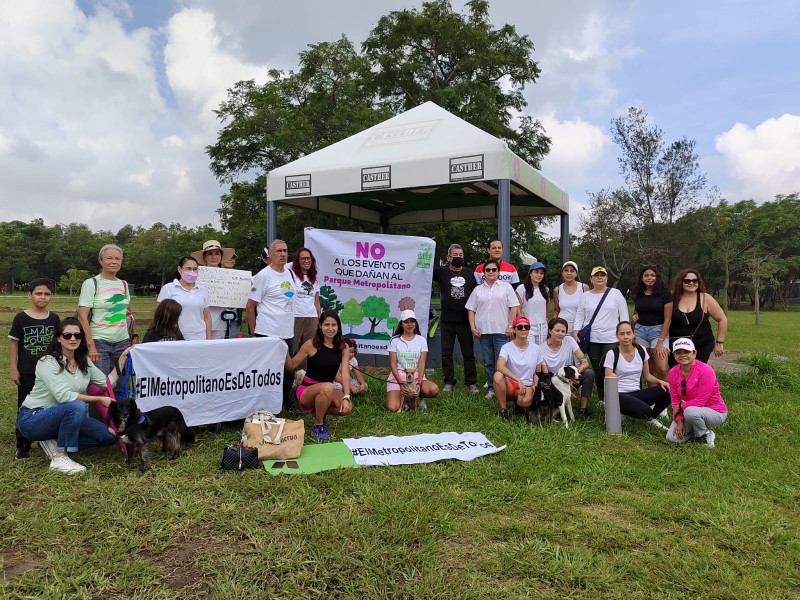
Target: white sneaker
490	394
708	439
49	448
64	464
448	387
656	423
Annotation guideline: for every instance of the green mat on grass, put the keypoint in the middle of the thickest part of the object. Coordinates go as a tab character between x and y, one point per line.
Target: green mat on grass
313	459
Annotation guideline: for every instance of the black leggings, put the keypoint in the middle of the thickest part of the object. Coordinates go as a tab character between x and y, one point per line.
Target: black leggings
644	404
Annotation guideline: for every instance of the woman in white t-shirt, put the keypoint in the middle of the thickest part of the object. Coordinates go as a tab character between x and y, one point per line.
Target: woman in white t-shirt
567	295
518	366
631	365
306	300
408	351
561	350
535	301
195	319
613	310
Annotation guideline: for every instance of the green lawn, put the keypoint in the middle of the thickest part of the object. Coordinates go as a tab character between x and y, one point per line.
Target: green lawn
559	514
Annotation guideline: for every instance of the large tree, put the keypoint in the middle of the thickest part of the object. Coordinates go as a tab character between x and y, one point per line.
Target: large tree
459	61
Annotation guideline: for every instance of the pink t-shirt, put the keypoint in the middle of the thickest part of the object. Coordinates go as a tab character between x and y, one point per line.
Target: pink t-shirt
702	388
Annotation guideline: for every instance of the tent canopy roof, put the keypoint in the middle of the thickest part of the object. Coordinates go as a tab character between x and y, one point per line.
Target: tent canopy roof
423	166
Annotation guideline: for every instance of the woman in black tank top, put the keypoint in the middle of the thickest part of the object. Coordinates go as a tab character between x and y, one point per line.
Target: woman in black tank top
691	308
325	354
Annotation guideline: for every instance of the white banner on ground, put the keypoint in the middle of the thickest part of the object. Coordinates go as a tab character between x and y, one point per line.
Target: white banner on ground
228	288
370	279
424	448
210	381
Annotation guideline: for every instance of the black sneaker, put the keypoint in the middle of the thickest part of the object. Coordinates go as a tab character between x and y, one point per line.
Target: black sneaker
584	413
505	415
22	452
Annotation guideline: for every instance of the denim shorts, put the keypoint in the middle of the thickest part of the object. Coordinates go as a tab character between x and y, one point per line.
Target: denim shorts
647	336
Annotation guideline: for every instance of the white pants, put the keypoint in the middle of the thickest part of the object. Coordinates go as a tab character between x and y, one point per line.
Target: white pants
697	420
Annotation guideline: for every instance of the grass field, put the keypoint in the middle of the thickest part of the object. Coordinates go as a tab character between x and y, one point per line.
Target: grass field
559	514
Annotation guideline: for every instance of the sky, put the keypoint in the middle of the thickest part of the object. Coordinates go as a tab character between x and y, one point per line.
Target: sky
106	106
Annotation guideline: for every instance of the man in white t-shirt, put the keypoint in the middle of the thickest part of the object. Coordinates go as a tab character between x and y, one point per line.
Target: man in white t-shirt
272	296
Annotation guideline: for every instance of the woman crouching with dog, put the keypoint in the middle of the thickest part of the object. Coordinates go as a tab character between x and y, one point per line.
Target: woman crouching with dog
561	350
697	403
325	354
518	367
55	412
629	363
408	351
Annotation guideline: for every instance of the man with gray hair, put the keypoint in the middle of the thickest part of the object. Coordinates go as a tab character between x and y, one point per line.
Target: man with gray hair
272	293
456	283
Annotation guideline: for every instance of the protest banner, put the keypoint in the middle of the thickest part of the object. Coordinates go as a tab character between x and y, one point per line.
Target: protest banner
210	381
370	279
415	449
228	288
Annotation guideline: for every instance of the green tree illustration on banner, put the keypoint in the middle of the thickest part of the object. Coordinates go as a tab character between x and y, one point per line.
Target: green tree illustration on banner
328	299
375	309
351	314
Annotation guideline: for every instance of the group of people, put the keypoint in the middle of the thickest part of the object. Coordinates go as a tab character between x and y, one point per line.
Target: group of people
509	318
53	361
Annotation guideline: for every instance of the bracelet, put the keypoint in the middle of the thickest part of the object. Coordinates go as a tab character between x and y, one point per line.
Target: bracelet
720	341
347	397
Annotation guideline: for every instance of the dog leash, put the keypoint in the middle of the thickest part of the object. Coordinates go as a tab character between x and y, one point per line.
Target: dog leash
368	375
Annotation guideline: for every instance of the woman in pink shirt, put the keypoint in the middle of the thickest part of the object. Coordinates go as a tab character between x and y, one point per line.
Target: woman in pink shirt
697	404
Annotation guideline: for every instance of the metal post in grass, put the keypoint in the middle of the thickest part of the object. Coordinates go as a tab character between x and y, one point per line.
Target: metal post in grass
613	416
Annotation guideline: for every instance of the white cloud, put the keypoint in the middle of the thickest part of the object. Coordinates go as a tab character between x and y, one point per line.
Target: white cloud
577	144
762	160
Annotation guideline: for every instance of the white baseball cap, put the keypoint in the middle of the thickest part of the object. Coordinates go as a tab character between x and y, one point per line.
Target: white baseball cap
683	344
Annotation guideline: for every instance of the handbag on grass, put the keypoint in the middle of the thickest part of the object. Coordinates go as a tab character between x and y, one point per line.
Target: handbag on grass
585	333
275	438
238	458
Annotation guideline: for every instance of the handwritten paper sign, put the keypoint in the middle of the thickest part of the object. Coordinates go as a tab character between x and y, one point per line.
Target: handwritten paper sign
228	288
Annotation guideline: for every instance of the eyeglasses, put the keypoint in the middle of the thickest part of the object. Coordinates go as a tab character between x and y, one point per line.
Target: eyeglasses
70	336
492	270
691	281
522	327
305	258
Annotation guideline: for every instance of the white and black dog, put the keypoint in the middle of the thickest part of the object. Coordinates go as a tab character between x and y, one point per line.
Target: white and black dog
562	382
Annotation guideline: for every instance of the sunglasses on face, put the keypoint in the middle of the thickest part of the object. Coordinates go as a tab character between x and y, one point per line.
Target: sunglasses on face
683	388
522	327
691	281
492	270
70	336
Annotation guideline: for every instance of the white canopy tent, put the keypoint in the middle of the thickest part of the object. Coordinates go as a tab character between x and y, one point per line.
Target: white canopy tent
423	166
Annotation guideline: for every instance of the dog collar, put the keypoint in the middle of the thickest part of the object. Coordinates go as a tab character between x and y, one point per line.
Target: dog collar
141	420
564	379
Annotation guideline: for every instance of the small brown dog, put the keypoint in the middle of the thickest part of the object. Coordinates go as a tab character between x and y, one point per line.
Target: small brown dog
410	391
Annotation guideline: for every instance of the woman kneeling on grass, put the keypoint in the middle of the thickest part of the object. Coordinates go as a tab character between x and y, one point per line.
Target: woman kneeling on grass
517	367
629	364
57	405
325	354
408	351
697	404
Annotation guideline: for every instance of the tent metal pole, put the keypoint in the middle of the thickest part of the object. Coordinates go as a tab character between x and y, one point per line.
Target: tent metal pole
504	216
272	222
564	237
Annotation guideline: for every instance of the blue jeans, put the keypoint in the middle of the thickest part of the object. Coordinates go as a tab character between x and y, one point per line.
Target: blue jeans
67	423
491	343
647	336
108	353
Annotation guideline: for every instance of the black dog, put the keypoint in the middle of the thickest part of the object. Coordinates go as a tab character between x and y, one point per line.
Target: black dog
545	400
136	429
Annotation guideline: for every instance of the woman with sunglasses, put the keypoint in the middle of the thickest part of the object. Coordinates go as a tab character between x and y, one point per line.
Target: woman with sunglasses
629	363
306	301
651	318
535	301
195	319
692	306
612	311
561	350
491	310
55	412
408	350
518	366
697	404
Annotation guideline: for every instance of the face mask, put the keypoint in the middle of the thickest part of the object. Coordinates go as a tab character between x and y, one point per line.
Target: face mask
189	276
457	261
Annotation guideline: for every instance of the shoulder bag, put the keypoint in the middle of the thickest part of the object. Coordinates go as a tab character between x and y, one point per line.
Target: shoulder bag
585	334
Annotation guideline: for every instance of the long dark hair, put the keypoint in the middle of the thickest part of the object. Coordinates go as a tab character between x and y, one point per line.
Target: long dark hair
543	289
165	319
319	338
658	287
398	331
81	352
312	270
677	287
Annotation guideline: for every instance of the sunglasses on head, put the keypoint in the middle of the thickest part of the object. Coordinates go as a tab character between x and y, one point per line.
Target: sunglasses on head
70	336
689	281
522	327
491	270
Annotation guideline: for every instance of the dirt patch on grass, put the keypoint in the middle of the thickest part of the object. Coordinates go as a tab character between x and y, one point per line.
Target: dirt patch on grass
15	565
178	567
727	363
